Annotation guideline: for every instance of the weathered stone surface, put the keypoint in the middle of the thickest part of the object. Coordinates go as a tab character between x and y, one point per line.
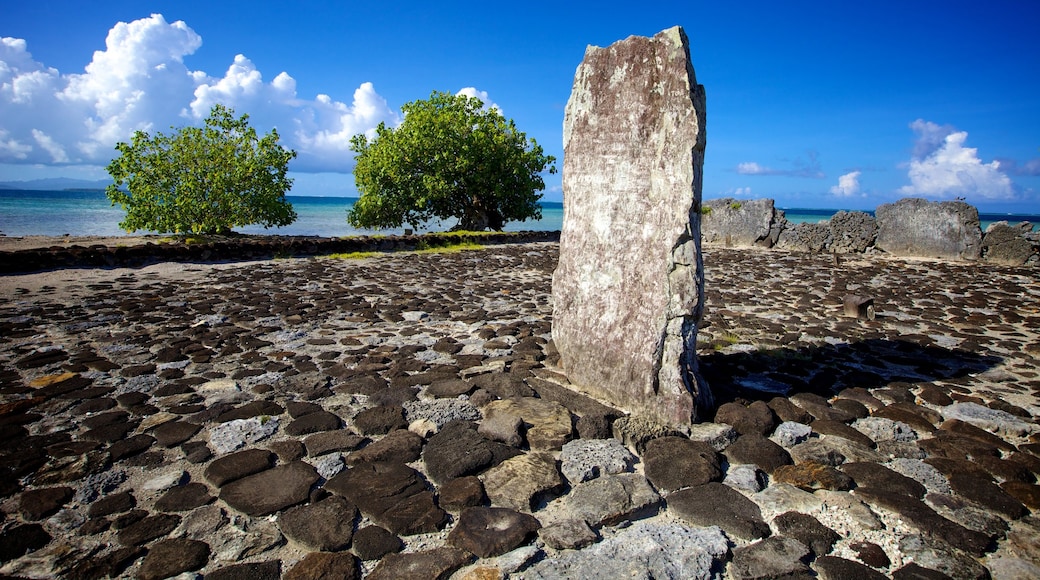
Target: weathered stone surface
392	495
458	450
810	476
757	450
567	534
19	540
462	493
37	504
916	227
672	463
1005	244
171	557
740	223
585	459
400	445
665	551
270	570
549	423
807	530
852	231
147	529
988	419
805	237
834	568
775	557
238	465
320	565
488	532
881	477
184	497
715	504
272	490
629	287
436	563
755	418
914	512
606	500
325	526
519	481
374	542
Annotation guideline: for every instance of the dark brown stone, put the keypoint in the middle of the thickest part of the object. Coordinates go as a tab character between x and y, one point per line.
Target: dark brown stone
436	563
807	530
324	526
834	568
672	463
870	554
238	465
328	441
313	423
716	504
511	529
270	570
20	540
757	450
755	418
400	446
172	557
271	490
880	477
321	565
113	504
983	491
147	529
462	493
926	520
839	429
374	542
392	495
184	497
380	420
36	504
174	433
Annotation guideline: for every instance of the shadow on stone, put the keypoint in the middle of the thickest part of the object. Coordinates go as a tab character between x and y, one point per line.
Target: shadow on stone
827	369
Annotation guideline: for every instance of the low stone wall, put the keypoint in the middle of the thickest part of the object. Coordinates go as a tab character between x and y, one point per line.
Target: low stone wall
910	227
240	248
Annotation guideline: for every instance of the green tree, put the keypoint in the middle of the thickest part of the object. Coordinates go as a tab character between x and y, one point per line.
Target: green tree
449	158
203	180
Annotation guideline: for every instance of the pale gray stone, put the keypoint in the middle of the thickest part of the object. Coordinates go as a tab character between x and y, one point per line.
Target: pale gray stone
746	478
629	288
788	434
852	231
519	481
606	500
882	429
931	478
739	223
585	459
645	551
929	229
718	435
227	437
993	420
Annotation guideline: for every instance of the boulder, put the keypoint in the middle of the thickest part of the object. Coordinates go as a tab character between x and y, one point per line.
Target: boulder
1006	244
628	291
806	237
739	223
852	232
929	229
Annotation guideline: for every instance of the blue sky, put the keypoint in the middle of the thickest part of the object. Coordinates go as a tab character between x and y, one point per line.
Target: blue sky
814	104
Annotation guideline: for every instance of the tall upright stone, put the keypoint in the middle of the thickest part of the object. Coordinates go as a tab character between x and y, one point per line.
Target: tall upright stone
629	289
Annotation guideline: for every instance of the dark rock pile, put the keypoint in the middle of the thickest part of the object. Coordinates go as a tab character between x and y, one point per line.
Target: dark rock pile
908	228
401	417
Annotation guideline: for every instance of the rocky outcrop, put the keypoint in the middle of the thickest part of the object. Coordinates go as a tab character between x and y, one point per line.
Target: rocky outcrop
628	291
1010	245
806	237
928	229
741	223
852	232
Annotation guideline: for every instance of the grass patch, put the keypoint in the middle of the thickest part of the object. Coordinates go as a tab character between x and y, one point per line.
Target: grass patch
449	248
705	210
735	206
354	255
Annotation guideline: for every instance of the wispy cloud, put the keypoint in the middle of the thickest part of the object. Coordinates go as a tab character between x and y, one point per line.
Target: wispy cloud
140	82
1030	168
802	168
942	167
848	185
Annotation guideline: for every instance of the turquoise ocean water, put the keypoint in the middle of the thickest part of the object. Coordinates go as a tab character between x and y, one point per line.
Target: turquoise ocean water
89	213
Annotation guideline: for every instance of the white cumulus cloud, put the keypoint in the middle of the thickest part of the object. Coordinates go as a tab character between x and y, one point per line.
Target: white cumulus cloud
483	96
848	185
141	82
942	167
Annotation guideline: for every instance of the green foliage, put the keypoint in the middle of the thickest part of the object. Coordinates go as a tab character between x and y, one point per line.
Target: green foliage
705	210
735	206
203	180
450	158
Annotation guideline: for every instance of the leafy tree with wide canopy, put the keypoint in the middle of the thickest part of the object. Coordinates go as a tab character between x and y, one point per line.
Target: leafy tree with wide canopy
203	180
451	157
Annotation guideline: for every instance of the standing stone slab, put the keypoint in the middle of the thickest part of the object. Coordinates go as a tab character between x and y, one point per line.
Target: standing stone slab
929	229
629	289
